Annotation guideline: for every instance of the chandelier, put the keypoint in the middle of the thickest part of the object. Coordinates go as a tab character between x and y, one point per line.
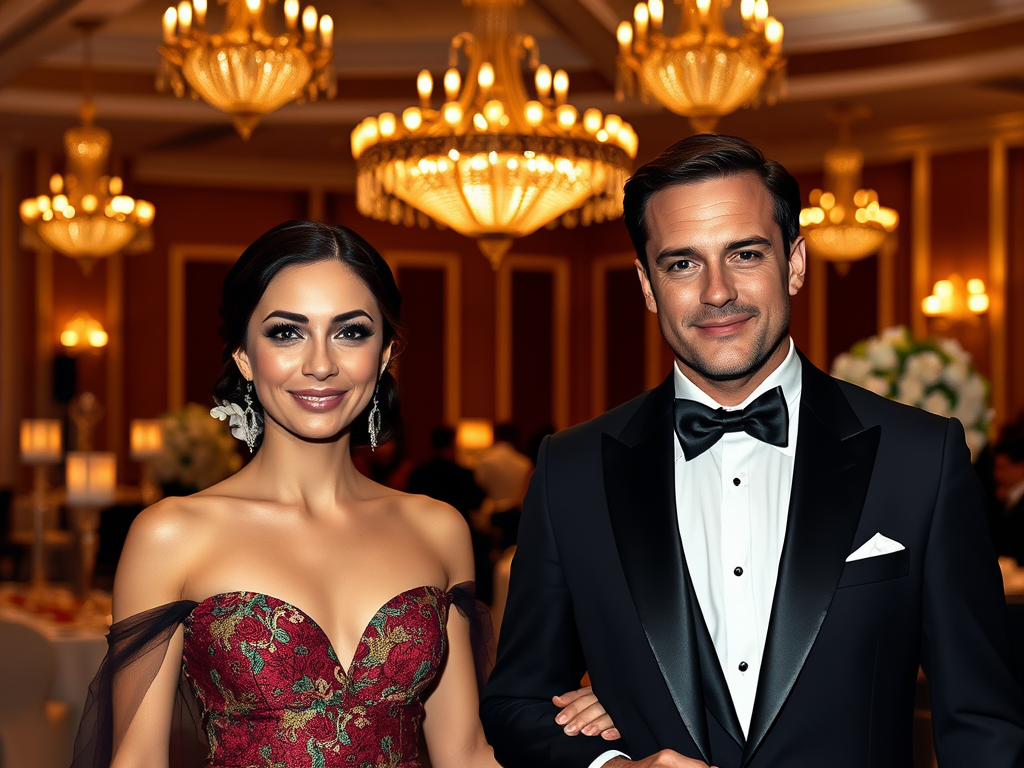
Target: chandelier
87	215
245	70
703	72
845	223
492	163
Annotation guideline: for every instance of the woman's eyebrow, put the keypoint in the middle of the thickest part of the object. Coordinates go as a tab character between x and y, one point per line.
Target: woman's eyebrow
295	317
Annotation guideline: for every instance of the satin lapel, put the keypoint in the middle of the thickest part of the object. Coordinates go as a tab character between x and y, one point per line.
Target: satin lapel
639	484
834	460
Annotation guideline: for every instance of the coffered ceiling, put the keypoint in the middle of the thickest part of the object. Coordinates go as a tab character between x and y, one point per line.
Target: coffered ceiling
937	71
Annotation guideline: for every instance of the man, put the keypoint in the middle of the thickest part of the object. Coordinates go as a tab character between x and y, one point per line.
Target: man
442	478
754	586
1008	470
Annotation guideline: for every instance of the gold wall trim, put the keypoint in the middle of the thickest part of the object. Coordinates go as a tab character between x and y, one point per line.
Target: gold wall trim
558	267
998	267
179	255
116	432
921	237
9	336
818	286
451	265
886	287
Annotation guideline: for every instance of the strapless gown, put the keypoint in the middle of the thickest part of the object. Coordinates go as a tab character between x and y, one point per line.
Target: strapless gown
273	692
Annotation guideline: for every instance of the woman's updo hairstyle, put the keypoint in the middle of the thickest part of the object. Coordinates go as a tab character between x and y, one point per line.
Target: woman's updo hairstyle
307	242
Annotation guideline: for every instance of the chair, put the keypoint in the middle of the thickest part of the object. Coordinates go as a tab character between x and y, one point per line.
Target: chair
33	731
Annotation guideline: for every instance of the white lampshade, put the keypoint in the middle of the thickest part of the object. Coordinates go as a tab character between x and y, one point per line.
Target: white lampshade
147	439
91	477
41	441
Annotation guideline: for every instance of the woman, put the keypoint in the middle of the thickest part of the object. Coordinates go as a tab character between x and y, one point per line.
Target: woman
307	605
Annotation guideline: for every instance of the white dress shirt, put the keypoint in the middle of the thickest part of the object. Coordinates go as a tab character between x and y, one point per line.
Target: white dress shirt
732	504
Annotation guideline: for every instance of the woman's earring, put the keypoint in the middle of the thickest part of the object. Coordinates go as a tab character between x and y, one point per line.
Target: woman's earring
374	421
251	425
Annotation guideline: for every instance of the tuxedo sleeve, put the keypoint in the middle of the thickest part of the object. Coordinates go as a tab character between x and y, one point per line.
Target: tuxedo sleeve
539	651
977	706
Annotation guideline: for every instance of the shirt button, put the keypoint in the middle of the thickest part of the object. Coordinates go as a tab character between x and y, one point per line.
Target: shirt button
735	481
738	571
743	666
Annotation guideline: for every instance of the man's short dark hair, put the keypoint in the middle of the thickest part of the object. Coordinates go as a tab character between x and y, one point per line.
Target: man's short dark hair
704	157
442	438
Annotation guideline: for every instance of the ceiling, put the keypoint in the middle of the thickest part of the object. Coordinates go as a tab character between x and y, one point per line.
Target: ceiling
937	71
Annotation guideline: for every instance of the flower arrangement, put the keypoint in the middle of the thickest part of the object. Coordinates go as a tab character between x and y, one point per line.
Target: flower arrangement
197	451
936	375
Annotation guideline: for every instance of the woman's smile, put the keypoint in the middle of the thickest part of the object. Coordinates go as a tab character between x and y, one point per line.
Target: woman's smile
319	400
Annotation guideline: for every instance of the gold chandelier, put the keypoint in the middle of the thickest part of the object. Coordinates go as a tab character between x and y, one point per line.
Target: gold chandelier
244	70
845	223
87	215
492	163
702	73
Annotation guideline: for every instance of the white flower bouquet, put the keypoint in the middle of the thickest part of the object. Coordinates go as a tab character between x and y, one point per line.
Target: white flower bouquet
936	375
197	452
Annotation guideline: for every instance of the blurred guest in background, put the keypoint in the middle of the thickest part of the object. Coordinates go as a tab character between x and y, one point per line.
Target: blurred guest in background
504	473
1008	515
442	478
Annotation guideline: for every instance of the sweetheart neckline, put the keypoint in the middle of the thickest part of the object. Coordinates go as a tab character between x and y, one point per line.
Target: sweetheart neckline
347	671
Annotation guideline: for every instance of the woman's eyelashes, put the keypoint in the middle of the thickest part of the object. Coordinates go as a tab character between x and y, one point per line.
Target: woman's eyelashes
285	332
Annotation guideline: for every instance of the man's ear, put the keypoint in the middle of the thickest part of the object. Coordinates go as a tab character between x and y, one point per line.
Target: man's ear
645	287
797	266
242	361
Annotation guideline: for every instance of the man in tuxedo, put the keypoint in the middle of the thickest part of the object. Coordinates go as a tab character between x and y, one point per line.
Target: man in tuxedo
751	560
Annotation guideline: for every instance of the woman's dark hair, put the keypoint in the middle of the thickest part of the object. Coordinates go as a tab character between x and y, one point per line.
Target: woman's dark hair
703	157
307	242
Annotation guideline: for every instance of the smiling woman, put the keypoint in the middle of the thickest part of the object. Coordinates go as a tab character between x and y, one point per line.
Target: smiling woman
307	608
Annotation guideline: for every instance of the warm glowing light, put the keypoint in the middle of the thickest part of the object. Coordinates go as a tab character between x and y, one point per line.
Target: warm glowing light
245	70
147	439
424	85
624	34
452	84
412	118
486	76
41	441
387	124
956	300
91	478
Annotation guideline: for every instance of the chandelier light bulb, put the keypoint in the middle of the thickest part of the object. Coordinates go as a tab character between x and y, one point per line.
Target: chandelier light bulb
184	17
641	15
486	76
624	34
561	84
253	5
542	79
592	120
170	25
291	14
412	118
656	8
326	31
424	86
56	184
747	9
761	11
773	32
199	9
387	124
534	112
308	22
452	84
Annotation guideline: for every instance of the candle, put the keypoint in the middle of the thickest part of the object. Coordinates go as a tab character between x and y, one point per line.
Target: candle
326	32
309	22
184	18
641	15
91	478
199	6
291	14
625	37
41	441
170	22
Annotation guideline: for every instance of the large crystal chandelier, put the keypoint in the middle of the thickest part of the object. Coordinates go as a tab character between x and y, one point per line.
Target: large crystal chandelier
245	70
703	72
491	162
87	215
845	223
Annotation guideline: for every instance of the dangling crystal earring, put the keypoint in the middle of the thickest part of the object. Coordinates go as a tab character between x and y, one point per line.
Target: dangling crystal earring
251	426
374	421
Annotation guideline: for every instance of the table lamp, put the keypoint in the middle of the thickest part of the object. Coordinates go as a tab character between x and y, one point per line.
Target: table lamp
41	446
91	479
147	442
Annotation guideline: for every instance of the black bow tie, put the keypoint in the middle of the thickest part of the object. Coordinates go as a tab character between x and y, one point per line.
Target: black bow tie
700	427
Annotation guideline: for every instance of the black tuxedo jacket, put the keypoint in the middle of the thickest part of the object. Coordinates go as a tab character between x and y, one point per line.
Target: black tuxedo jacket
599	583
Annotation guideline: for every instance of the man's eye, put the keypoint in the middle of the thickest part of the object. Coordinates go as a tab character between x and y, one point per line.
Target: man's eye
680	266
749	255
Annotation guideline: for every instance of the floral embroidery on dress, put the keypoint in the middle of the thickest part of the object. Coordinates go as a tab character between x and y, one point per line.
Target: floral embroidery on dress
274	693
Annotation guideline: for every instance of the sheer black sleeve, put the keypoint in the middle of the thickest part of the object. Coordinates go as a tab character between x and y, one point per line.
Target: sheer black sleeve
481	633
136	648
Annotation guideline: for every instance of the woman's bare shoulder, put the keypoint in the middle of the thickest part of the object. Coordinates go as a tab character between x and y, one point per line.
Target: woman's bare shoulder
445	530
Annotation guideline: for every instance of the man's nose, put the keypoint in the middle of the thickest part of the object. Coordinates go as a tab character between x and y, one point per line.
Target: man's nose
719	289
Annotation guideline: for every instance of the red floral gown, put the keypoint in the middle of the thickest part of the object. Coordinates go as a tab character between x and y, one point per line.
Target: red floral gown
273	693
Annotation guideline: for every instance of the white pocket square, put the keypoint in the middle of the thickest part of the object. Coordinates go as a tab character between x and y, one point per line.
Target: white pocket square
875	546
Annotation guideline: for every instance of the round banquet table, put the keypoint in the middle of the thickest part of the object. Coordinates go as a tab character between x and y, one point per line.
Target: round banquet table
78	648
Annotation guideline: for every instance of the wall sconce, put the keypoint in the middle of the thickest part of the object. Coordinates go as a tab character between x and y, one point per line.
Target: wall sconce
956	300
83	332
471	437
